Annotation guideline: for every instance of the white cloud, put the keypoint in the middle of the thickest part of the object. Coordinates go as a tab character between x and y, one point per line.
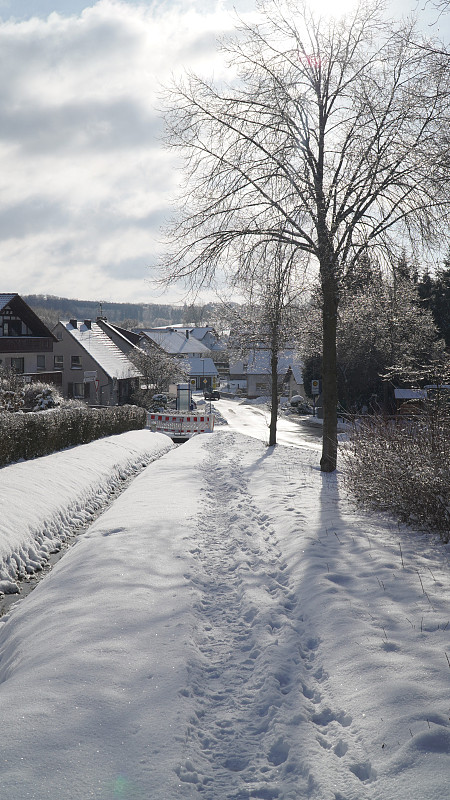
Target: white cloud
84	182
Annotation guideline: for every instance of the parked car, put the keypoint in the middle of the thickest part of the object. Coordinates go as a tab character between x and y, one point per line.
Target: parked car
159	402
214	395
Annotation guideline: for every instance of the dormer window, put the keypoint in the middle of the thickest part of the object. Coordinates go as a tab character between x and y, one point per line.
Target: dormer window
12	326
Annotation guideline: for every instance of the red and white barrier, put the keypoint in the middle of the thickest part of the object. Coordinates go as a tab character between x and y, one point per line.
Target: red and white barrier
180	425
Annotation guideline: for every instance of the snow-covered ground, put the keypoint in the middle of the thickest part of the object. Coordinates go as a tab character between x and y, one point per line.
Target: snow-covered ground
230	628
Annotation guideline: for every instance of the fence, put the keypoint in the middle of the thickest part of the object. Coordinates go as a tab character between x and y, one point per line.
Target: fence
181	425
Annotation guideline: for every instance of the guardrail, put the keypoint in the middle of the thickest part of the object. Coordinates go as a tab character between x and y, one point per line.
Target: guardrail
181	425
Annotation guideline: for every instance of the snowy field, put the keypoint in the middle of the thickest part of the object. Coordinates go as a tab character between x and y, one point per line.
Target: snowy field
230	628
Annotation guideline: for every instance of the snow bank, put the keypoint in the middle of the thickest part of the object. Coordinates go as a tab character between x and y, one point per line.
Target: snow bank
43	501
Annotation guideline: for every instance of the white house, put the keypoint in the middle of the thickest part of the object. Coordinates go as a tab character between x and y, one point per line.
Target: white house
259	373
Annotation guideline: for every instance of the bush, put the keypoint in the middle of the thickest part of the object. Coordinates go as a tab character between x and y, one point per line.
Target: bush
402	466
40	396
24	436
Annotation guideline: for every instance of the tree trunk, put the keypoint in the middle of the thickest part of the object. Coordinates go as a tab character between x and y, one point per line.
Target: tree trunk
274	400
329	375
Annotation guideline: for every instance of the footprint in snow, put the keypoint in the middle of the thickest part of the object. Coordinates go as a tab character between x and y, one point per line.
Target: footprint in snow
278	753
364	772
340	748
326	716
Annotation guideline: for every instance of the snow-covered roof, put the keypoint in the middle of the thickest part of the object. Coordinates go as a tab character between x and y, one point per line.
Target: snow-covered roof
201	331
100	347
410	394
297	373
202	366
259	363
121	334
175	342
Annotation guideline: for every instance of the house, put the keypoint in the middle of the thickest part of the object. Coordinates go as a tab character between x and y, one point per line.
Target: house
26	344
204	372
237	377
208	336
180	344
175	342
293	381
205	334
259	374
94	368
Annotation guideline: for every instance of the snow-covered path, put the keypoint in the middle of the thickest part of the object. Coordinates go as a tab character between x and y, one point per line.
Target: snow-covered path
245	639
231	629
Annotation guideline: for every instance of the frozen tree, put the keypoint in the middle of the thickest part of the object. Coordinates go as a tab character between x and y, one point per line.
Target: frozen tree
157	369
267	322
384	336
329	140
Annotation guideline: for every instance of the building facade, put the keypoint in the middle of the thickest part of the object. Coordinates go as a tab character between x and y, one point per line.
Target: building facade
93	367
26	344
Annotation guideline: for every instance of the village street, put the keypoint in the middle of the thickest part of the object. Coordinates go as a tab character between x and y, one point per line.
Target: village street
252	419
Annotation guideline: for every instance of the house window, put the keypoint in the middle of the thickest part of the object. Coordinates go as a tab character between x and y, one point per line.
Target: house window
75	362
59	335
76	390
18	365
58	362
40	363
13	326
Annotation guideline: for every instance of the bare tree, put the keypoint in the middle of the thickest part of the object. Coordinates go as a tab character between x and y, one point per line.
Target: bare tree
330	140
267	320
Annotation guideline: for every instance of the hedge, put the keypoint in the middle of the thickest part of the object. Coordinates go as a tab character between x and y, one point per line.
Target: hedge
403	467
25	436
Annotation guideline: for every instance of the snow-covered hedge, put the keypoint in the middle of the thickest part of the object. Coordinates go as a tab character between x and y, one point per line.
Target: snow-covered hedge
24	436
402	466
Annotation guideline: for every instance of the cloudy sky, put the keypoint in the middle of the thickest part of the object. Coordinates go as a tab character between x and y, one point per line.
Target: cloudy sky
85	182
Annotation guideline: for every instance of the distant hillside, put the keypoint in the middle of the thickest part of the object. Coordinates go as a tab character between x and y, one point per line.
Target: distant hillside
50	309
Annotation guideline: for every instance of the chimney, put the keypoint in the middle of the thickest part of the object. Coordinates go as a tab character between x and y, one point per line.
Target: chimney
88	323
73	322
187	334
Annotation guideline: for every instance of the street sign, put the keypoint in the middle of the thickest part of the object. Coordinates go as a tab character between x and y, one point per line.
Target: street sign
315	387
96	384
192	382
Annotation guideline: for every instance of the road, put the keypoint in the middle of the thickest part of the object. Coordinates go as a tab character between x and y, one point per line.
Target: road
253	420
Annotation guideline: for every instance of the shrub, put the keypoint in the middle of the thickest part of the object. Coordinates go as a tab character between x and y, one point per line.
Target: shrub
402	466
24	436
40	396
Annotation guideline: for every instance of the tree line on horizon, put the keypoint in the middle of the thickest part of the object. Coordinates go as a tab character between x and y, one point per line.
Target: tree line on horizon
51	308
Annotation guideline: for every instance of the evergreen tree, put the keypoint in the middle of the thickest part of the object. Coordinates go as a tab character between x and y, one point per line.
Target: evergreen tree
435	295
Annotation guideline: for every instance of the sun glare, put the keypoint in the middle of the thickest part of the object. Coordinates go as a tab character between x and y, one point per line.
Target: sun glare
334	8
